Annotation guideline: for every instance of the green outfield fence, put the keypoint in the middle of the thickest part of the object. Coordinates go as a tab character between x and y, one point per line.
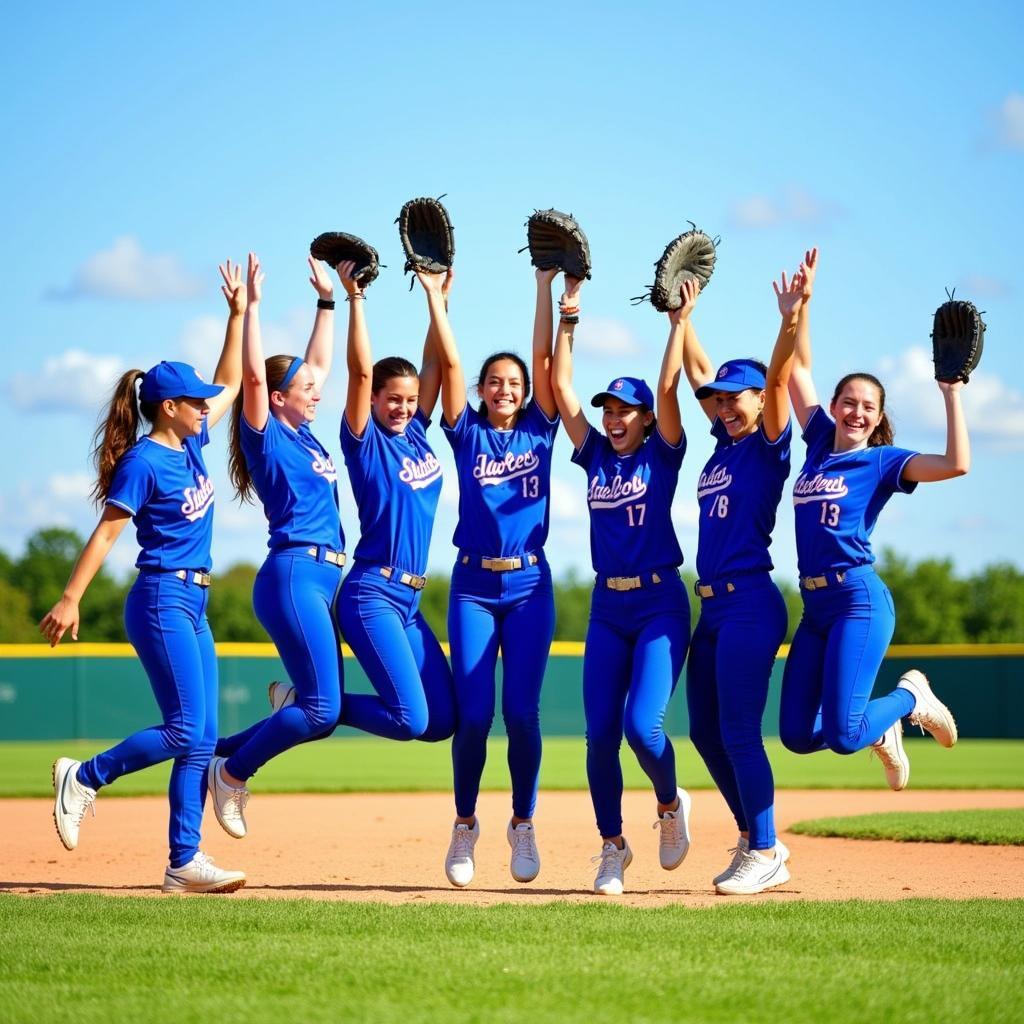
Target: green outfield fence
85	691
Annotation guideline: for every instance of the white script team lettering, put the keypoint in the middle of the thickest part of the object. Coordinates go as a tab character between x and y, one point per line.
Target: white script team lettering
323	465
618	492
813	488
420	473
198	499
496	471
719	479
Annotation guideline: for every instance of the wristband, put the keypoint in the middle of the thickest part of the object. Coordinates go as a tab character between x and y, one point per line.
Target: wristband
352	298
570	318
325	303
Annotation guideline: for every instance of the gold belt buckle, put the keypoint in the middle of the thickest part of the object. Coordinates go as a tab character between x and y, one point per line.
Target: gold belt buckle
703	591
501	564
814	582
623	583
200	579
335	557
416	582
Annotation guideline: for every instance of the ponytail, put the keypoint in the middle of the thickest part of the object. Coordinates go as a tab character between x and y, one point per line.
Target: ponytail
275	370
883	432
118	431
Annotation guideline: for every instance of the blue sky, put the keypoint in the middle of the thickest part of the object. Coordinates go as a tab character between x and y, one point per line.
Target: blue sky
145	145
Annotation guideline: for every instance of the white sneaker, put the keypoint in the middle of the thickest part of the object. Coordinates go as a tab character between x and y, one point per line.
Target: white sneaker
201	875
70	800
674	842
929	712
228	801
458	864
280	695
742	846
889	750
756	872
610	872
525	863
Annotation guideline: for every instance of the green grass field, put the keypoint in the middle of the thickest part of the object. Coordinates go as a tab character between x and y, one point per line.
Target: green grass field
86	959
373	765
995	827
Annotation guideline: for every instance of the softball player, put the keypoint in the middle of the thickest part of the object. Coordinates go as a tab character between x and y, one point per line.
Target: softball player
160	481
640	615
743	615
275	455
396	479
851	470
501	585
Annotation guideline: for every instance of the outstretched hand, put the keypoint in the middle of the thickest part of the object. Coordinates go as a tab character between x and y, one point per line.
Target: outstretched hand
319	279
233	288
446	287
790	294
807	272
346	269
255	279
571	295
546	275
434	284
689	290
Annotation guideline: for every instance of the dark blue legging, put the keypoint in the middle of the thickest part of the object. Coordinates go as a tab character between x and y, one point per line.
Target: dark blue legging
293	597
728	672
636	646
381	620
165	619
513	611
830	672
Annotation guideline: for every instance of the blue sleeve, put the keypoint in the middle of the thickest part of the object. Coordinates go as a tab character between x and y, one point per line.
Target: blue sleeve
819	426
204	435
350	444
588	451
456	434
891	463
780	447
258	442
133	484
668	454
421	421
720	434
536	419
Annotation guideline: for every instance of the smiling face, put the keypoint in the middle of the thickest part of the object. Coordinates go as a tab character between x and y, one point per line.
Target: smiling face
297	405
857	410
502	390
739	411
396	402
184	416
625	425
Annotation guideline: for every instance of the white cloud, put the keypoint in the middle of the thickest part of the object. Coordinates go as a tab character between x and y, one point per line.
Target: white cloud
1009	122
686	514
794	205
994	411
74	381
202	338
979	286
605	338
125	271
568	503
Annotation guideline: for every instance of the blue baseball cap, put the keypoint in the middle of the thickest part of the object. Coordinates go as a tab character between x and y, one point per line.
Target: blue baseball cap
175	380
735	375
631	390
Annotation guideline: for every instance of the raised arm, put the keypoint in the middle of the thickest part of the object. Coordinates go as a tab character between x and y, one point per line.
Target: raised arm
359	355
801	384
65	614
430	364
255	400
576	425
670	420
957	459
780	369
543	333
453	384
320	350
229	366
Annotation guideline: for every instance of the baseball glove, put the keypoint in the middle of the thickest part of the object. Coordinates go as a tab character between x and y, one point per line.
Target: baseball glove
428	237
556	242
958	336
334	247
691	256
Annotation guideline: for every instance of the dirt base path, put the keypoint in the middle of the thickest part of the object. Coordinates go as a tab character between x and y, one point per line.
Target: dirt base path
391	847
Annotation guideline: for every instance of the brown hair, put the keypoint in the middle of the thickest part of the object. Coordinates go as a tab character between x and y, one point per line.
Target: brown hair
882	434
389	367
275	368
497	357
118	431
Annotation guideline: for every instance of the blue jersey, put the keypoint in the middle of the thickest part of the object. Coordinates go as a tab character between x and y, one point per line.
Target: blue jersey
838	496
295	479
504	482
630	500
396	480
738	494
170	499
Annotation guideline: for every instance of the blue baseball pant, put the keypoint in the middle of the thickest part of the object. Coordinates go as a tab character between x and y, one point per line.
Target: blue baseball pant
636	646
165	619
830	672
727	676
381	620
513	611
293	596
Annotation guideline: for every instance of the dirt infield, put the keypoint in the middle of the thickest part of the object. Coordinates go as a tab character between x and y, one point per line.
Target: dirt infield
390	848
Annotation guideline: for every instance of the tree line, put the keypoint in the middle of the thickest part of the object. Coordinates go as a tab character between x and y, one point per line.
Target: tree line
933	604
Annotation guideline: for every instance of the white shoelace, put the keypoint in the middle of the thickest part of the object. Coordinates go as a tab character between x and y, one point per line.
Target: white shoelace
748	866
611	858
205	866
737	856
462	841
524	845
238	797
86	799
669	826
886	753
